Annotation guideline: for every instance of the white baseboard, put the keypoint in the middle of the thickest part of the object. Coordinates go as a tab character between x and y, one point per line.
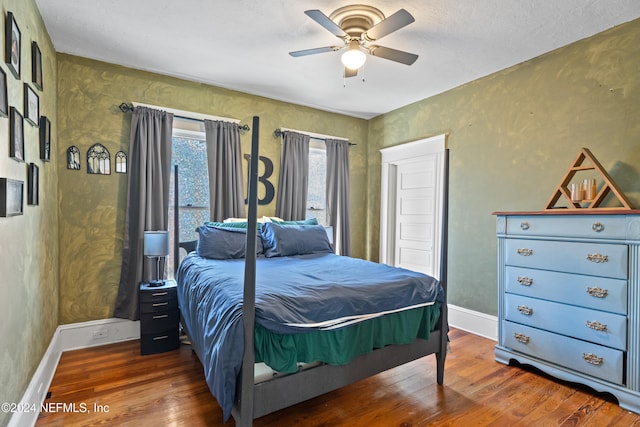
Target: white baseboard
475	322
68	337
97	332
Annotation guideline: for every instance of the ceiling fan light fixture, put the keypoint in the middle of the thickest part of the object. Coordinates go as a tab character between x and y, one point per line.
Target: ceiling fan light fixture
354	58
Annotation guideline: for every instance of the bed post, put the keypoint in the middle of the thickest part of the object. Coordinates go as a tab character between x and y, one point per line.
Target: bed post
243	414
444	323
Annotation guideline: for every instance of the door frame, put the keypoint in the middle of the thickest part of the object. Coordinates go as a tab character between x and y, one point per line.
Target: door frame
391	158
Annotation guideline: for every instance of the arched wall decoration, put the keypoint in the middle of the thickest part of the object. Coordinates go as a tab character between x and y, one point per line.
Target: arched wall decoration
73	158
98	160
121	162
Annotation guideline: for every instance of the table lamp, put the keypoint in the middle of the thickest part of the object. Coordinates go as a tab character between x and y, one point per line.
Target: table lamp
156	245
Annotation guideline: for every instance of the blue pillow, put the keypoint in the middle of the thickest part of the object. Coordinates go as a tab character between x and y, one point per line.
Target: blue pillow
223	242
287	240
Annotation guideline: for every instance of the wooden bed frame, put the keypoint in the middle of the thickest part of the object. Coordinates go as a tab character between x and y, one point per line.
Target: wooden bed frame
256	400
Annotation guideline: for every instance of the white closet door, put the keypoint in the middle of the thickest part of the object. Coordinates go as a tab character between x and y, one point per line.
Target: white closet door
415	215
411	205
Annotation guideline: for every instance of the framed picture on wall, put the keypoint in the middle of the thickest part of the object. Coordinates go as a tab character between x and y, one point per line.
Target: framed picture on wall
33	184
73	158
11	197
16	135
12	43
45	139
36	65
31	105
4	103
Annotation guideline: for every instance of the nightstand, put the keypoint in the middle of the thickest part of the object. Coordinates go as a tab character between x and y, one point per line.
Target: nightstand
159	318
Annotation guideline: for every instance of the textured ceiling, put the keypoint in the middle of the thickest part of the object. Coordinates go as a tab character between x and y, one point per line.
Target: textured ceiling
244	44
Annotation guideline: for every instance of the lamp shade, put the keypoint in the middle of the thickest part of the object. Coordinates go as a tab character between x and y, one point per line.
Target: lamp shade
156	243
353	58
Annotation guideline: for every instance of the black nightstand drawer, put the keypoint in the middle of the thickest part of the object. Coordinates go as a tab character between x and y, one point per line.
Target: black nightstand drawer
152	323
160	342
160	293
158	306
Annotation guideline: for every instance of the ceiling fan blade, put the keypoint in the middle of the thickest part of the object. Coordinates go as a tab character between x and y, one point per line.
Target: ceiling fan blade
388	25
327	23
314	51
348	72
393	54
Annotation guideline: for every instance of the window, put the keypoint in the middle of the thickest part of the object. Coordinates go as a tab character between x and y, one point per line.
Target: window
189	153
316	193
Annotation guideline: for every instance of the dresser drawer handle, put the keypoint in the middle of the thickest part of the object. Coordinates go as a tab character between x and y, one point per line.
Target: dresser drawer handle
161	316
159	304
592	358
597	258
524	225
596	326
597	292
525	281
525	252
159	294
597	227
162	337
521	338
525	310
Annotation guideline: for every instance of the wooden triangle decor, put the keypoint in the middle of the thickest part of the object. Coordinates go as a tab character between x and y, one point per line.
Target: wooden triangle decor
585	194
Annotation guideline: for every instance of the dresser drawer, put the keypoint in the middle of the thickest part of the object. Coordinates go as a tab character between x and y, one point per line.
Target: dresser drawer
594	259
599	293
600	227
591	359
596	326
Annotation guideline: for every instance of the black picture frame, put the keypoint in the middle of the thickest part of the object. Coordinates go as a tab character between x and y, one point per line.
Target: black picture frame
4	97
33	184
11	197
31	105
73	158
16	135
12	45
36	65
98	160
121	162
45	139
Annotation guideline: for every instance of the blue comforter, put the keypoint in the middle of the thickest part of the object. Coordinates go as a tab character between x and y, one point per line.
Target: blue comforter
293	294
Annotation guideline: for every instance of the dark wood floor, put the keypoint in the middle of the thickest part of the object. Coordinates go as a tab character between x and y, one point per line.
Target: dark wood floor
114	385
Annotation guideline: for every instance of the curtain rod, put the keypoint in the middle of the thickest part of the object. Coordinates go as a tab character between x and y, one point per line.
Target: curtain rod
280	131
126	108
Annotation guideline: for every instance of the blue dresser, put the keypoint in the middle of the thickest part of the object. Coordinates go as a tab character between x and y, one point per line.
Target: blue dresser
569	297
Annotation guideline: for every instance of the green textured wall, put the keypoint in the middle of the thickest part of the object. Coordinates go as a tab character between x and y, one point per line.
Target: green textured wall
92	206
512	136
29	249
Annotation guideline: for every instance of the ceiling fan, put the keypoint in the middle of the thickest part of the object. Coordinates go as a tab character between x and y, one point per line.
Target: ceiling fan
358	26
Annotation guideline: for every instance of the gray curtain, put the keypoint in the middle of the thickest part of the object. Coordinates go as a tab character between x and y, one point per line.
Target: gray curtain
147	201
291	202
338	194
224	159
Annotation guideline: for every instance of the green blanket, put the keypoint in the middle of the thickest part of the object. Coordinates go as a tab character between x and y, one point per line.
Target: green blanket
282	352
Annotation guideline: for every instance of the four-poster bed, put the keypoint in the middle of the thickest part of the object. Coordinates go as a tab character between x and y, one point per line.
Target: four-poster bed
403	313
